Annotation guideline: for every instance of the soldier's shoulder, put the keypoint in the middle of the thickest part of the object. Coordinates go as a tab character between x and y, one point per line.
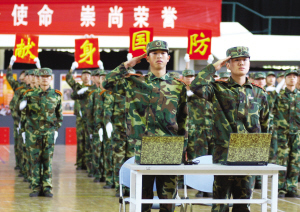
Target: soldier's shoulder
28	91
180	81
20	87
136	75
221	81
58	92
104	91
258	86
90	93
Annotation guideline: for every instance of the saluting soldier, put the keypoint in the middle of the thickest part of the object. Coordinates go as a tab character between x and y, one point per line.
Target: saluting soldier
287	124
240	107
79	111
43	117
156	105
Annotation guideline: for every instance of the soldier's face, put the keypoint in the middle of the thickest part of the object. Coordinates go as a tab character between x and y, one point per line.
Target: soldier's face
188	79
93	79
45	80
37	80
85	77
261	82
279	79
239	66
298	80
27	81
291	79
158	59
32	79
22	77
271	79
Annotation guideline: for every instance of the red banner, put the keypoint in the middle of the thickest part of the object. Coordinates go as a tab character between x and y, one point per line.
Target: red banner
87	52
139	38
26	48
115	17
199	44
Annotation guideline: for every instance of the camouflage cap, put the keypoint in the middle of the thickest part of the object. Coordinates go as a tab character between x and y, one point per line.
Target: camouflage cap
86	71
45	72
259	75
102	72
290	71
131	70
30	72
188	72
251	75
224	74
174	74
238	51
36	72
157	45
280	74
271	73
216	74
23	72
93	72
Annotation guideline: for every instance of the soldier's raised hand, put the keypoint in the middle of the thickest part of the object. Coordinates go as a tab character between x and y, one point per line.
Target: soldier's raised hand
187	58
100	64
134	61
74	65
218	65
12	60
37	62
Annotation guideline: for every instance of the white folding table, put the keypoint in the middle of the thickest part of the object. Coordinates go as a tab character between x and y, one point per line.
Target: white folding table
137	171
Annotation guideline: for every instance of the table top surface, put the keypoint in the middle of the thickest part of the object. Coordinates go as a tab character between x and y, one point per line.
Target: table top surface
204	167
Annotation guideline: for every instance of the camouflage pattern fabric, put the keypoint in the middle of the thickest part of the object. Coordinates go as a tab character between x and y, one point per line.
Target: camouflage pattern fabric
118	141
240	187
237	109
154	107
200	115
166	189
157	45
81	119
40	119
99	156
287	123
18	89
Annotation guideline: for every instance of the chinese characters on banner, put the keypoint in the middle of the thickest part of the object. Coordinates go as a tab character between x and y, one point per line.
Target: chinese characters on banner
109	18
139	38
26	48
199	44
87	52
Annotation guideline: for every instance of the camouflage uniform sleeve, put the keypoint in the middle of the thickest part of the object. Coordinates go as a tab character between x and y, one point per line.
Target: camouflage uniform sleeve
182	117
201	85
108	108
116	80
59	114
73	84
13	83
91	118
264	118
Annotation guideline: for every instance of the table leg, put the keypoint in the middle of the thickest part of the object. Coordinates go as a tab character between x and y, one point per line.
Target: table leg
264	192
132	190
274	194
139	187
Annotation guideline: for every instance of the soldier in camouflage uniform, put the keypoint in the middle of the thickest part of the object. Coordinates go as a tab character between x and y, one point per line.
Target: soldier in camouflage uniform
287	124
270	79
155	106
240	107
224	76
79	111
260	79
43	117
18	88
200	117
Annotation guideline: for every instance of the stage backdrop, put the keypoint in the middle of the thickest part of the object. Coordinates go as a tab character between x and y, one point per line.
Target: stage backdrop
115	17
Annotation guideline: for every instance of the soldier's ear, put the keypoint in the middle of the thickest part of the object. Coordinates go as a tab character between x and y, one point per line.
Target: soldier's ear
169	57
228	65
147	58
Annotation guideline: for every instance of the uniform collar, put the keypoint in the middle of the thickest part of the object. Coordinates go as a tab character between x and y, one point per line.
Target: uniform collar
232	83
46	90
152	77
288	91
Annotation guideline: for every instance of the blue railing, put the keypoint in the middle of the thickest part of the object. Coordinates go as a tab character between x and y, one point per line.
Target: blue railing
269	18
